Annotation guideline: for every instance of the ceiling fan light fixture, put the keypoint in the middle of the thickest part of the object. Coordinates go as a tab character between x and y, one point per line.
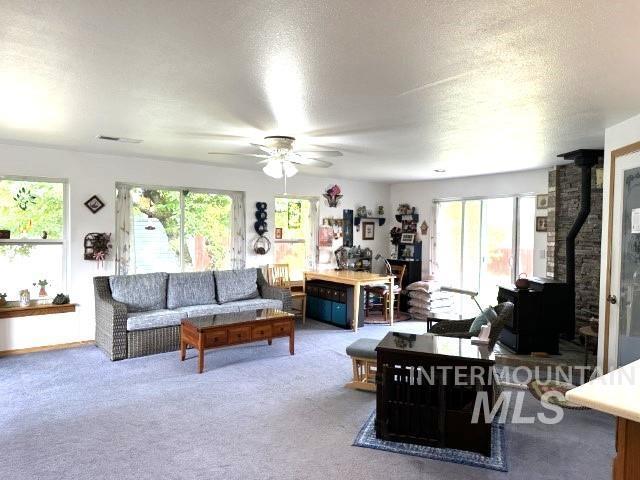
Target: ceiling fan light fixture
289	168
273	168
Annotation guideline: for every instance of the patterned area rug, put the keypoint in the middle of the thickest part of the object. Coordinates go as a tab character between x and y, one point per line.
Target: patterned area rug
497	461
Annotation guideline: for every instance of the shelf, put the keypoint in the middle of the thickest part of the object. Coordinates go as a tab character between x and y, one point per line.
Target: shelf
31	310
357	220
409	216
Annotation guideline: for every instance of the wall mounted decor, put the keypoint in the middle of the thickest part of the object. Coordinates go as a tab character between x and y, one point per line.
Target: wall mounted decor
325	236
333	195
541	224
542	201
278	233
94	204
347	228
261	245
368	230
424	228
97	247
260	225
407	238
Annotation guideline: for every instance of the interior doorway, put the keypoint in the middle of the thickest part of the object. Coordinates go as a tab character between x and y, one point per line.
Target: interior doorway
296	226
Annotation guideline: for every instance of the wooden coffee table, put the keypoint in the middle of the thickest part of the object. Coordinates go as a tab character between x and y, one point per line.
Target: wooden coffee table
213	331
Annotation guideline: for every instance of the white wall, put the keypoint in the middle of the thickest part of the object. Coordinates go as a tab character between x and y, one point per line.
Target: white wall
90	174
422	194
616	136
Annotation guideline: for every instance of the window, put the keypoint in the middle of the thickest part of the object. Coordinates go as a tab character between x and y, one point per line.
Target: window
480	242
34	213
179	230
295	245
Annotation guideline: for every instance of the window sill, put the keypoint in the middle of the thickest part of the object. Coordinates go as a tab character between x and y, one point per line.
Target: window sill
48	309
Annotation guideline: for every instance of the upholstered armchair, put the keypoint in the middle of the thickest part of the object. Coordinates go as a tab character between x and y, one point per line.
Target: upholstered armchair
460	328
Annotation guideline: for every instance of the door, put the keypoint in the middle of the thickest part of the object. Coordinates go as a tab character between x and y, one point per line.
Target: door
624	292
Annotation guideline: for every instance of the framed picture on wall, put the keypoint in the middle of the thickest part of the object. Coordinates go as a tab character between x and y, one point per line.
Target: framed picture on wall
541	224
407	238
542	201
278	233
325	236
368	230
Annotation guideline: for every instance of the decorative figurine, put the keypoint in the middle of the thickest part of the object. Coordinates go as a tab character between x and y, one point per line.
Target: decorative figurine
43	287
25	298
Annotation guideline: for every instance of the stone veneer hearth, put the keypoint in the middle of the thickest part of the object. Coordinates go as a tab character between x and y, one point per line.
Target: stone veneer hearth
564	204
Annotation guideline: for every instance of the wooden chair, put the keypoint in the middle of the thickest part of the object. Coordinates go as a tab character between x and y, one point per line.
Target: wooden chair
383	293
278	275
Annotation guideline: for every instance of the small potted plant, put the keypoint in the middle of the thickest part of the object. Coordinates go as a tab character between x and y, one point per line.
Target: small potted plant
43	287
3	299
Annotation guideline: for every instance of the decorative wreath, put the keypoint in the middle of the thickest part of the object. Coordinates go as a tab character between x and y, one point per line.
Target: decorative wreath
261	245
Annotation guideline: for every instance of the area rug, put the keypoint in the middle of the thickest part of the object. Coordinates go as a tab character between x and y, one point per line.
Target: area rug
376	318
497	461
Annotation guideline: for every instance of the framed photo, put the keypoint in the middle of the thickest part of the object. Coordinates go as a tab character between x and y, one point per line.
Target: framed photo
542	201
278	233
368	230
541	224
325	237
407	238
94	204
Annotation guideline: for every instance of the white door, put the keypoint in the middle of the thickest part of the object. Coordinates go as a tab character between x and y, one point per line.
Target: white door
624	292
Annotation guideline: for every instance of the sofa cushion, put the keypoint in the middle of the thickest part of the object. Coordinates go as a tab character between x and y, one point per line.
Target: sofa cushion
140	293
210	309
234	285
488	315
153	319
190	288
255	304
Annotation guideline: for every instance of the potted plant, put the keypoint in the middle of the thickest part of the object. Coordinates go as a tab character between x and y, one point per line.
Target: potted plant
3	299
43	287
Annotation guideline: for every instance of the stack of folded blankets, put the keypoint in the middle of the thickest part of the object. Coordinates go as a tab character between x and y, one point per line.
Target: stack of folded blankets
425	297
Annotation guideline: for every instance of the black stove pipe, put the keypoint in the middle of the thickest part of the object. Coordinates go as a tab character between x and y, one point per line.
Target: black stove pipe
585	159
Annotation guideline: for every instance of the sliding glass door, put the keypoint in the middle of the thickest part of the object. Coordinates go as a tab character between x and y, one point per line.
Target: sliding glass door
479	242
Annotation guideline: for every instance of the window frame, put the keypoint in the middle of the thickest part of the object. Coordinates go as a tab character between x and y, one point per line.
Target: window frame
181	191
64	241
515	242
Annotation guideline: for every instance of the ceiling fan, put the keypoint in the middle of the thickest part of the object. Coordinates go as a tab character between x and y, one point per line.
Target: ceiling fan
281	158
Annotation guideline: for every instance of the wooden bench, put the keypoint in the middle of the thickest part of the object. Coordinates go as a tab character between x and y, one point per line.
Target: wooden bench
363	355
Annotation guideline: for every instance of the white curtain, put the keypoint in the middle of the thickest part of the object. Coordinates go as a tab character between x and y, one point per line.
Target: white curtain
238	234
123	240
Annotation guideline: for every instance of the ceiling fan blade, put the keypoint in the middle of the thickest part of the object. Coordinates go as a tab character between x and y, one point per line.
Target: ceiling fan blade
319	153
264	148
309	162
240	154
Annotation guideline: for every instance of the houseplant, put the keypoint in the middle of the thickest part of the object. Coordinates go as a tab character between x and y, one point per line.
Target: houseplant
43	287
3	299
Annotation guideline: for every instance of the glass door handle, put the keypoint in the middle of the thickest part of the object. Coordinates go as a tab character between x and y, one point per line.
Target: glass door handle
612	299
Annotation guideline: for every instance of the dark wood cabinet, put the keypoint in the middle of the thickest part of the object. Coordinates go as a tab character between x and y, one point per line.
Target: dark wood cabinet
434	409
539	315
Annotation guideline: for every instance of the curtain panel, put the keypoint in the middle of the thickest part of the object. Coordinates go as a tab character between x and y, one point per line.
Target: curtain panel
239	231
123	229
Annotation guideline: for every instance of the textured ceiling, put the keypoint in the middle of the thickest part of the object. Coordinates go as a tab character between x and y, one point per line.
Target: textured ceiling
401	87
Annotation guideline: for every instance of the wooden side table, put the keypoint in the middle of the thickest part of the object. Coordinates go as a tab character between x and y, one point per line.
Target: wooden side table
588	334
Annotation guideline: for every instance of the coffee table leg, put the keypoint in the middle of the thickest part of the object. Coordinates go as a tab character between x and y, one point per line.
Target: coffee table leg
200	355
183	347
291	341
269	341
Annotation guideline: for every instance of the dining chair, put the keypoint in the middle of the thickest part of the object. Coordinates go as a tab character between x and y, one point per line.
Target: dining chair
278	276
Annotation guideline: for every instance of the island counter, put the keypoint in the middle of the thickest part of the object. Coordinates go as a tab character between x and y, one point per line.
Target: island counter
617	393
357	280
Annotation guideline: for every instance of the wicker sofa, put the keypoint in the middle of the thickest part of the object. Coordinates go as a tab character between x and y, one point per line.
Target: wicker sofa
139	315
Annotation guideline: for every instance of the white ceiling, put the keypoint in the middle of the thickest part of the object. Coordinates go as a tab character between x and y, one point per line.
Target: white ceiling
402	87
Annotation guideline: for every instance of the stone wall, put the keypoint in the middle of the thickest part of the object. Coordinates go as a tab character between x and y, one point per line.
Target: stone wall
564	204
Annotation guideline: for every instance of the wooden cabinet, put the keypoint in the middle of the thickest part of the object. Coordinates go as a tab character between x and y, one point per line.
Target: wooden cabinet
332	303
626	465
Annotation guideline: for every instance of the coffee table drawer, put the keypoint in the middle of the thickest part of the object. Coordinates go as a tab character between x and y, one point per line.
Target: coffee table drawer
261	332
215	338
281	329
239	335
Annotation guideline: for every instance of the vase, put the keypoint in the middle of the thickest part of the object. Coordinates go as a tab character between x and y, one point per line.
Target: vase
43	292
25	298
